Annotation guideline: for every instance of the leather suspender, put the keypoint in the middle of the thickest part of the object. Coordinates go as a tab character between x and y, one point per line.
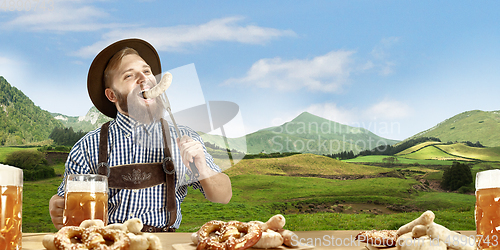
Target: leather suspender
142	175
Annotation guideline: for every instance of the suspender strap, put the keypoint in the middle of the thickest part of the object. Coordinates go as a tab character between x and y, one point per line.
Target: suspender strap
103	167
142	175
169	168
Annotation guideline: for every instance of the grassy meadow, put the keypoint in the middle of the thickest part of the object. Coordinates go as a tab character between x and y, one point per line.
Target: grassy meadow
313	192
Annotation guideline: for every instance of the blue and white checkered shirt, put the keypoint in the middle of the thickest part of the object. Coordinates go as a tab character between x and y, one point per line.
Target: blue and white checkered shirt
130	143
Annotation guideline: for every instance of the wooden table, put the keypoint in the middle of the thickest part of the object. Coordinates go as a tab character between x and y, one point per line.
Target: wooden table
342	240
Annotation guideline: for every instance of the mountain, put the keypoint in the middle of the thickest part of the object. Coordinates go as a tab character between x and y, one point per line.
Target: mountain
473	126
92	120
22	121
306	133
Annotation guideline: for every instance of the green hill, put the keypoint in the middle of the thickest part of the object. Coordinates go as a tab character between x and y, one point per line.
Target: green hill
431	153
455	151
22	121
417	147
473	126
302	165
306	133
483	154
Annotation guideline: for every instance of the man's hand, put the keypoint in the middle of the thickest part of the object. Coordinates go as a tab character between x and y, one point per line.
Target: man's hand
56	208
217	186
192	151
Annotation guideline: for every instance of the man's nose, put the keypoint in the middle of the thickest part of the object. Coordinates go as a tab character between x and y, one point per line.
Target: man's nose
141	78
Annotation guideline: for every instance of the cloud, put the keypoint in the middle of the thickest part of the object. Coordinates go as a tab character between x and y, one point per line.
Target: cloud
388	109
325	73
380	111
332	112
61	16
179	38
380	54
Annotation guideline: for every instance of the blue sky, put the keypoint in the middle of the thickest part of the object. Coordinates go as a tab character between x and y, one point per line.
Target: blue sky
394	67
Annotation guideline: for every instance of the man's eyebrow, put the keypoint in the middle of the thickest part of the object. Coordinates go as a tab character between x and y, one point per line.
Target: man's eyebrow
125	71
130	69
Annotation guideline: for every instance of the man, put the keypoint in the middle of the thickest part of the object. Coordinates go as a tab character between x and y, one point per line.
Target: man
117	77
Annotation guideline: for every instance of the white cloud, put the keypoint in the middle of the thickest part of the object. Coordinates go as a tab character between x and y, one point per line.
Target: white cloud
332	112
64	16
380	53
322	73
178	38
388	109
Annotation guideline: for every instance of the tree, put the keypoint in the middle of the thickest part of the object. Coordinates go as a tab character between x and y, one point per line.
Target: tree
32	162
390	160
456	176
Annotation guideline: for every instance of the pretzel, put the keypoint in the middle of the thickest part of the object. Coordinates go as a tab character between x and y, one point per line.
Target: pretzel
92	234
252	235
97	238
63	238
226	237
378	237
204	239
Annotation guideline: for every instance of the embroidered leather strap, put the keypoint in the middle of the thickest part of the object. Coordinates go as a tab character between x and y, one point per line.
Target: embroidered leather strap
142	175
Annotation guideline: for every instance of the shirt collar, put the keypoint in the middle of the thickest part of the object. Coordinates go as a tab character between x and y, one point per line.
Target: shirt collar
128	124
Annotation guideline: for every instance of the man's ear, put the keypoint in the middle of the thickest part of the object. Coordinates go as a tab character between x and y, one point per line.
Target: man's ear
110	94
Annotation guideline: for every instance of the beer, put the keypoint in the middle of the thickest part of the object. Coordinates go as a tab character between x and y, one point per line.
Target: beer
487	213
85	200
11	199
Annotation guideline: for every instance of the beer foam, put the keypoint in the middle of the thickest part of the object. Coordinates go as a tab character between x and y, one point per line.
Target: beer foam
83	186
10	176
488	179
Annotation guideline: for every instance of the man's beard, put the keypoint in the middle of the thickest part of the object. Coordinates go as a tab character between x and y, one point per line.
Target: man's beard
134	106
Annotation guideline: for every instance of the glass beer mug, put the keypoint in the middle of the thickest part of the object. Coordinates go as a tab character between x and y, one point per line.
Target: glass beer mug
11	200
488	209
85	198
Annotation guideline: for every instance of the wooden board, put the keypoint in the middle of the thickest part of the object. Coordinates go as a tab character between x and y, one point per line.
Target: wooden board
191	246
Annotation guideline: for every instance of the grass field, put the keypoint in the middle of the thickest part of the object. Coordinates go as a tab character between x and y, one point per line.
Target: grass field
401	160
260	197
4	151
417	147
301	164
432	153
483	154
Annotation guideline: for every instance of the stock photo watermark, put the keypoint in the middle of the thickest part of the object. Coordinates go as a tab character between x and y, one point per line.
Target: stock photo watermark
352	241
331	137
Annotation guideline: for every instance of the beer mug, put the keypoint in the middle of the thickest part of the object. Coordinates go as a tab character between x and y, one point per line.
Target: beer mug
487	212
11	201
85	198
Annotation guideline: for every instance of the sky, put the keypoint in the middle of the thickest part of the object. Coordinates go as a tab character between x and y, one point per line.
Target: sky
395	68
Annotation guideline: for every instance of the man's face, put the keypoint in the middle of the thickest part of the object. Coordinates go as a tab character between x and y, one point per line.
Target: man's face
131	78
